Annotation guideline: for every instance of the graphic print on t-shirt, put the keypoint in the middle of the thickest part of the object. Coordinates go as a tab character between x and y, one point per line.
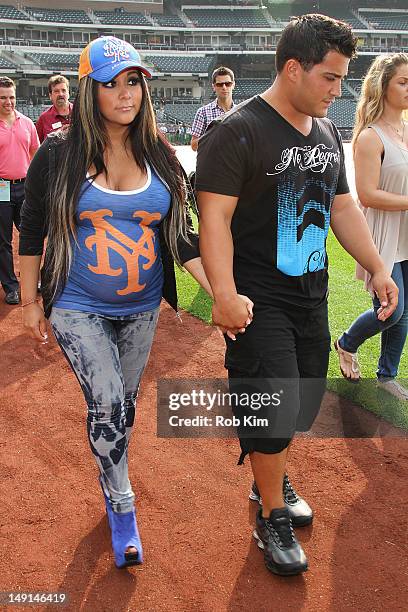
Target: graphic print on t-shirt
302	229
303	219
108	238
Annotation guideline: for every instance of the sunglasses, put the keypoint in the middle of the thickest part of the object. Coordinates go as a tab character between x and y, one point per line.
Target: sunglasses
226	83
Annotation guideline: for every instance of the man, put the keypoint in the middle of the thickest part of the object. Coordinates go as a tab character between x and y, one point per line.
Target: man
18	143
270	180
223	83
59	114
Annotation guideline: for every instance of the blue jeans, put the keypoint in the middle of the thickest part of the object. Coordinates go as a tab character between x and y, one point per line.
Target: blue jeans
108	356
393	330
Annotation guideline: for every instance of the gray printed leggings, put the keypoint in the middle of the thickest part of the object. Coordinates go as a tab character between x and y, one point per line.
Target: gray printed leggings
108	356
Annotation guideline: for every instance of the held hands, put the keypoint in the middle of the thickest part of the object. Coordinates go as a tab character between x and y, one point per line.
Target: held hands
387	293
34	322
232	314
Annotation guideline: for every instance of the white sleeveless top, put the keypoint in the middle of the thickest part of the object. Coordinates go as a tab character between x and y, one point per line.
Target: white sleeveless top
389	229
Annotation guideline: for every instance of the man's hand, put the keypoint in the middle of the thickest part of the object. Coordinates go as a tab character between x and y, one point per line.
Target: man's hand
232	313
387	293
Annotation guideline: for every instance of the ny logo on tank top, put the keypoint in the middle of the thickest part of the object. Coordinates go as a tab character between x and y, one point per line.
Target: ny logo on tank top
108	238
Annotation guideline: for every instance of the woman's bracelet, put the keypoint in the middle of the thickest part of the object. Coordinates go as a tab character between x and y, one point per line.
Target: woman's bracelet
30	302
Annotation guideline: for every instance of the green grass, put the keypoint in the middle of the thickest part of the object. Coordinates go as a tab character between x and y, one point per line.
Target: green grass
192	297
347	299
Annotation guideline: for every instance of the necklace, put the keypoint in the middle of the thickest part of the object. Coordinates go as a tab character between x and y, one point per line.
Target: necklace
402	149
399	133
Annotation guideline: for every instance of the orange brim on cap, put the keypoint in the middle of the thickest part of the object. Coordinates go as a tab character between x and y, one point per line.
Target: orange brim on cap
85	67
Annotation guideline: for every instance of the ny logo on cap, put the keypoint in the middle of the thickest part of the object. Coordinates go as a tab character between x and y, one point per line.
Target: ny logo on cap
116	49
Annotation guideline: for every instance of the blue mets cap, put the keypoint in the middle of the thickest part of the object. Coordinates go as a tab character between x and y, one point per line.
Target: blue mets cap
105	57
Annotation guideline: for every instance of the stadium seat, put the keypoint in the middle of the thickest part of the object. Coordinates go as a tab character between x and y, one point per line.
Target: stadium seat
232	18
122	18
247	88
55	61
384	20
57	15
5	63
9	12
180	64
183	113
172	21
342	112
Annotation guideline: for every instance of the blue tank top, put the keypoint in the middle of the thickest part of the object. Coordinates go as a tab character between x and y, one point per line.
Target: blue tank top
116	267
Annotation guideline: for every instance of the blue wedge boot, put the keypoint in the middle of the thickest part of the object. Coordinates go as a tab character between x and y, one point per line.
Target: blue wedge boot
124	535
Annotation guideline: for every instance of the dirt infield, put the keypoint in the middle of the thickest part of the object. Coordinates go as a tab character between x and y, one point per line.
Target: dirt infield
194	514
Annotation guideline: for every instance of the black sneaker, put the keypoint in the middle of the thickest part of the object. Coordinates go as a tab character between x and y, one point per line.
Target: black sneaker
254	493
12	297
300	512
282	552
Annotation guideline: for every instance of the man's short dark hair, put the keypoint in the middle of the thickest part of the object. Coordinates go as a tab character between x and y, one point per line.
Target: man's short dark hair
57	79
309	38
222	71
7	82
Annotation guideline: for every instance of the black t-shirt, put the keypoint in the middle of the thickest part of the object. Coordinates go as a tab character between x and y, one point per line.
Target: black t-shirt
286	183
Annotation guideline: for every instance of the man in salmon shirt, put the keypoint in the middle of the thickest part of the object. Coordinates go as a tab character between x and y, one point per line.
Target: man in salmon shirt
18	143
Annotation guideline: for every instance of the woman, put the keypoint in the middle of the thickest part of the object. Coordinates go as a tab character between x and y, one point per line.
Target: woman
110	195
380	147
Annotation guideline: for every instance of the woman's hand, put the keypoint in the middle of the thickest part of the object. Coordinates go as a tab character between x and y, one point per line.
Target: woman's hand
387	293
249	306
34	322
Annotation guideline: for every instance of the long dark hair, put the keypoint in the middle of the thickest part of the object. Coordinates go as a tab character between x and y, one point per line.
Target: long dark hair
83	145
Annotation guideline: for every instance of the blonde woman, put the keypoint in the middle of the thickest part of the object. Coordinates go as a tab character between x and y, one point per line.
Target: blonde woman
380	147
109	193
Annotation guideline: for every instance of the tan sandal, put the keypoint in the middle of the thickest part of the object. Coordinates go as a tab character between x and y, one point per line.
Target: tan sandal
348	363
